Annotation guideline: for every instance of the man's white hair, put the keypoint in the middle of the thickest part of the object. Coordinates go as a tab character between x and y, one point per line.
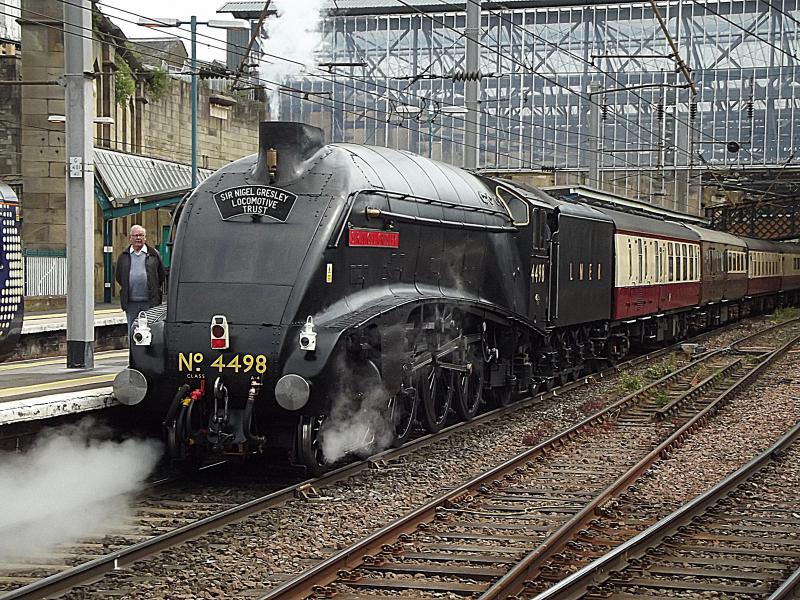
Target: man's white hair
144	231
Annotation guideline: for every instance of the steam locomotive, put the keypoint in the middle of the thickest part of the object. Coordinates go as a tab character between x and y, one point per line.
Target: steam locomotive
11	280
325	299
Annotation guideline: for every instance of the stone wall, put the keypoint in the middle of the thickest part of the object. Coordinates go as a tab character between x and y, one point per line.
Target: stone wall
166	126
10	134
157	127
43	211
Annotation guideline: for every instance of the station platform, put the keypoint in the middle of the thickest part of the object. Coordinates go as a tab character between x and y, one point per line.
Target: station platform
45	333
35	383
105	315
44	388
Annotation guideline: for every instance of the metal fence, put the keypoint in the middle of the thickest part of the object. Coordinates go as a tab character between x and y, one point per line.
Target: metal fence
45	272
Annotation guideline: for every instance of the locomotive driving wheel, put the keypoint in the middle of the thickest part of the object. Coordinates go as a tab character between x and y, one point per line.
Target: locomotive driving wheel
469	383
435	389
401	414
310	444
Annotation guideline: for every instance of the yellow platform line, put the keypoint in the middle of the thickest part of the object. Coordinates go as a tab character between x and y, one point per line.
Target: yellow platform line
103	311
56	385
25	364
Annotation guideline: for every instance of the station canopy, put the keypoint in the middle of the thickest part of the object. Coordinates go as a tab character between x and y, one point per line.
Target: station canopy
128	183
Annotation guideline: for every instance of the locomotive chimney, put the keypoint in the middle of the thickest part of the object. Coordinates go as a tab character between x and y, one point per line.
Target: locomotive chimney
283	149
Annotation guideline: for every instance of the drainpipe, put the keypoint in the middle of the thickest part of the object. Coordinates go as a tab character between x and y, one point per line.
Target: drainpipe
108	249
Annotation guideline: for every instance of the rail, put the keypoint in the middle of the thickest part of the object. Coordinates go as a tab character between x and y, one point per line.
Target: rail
577	584
81	574
345	566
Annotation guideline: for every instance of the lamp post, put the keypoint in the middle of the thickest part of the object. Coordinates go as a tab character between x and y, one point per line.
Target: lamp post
429	114
193	23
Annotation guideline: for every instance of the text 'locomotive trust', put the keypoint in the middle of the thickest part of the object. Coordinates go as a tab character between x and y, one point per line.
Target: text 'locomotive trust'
255	200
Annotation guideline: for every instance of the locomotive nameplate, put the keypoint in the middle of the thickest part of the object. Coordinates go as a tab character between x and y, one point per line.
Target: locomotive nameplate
373	238
261	200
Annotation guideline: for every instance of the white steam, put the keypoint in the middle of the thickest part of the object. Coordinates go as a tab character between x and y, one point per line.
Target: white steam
70	485
357	423
293	35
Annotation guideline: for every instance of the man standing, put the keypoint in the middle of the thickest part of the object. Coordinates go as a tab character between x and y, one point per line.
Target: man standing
140	274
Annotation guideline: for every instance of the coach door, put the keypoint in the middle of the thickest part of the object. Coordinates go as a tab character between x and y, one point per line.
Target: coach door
540	267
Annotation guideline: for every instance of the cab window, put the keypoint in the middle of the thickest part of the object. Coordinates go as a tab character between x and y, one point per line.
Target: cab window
517	207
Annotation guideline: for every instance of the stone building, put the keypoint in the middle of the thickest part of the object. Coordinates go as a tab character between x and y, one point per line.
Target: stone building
150	106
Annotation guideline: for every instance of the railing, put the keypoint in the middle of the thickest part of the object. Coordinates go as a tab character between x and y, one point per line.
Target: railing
45	272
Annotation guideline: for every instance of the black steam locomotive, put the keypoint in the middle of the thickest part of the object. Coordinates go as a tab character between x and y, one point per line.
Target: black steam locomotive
325	298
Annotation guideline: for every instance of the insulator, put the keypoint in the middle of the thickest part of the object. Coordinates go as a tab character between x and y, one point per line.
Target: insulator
750	108
604	111
660	112
692	110
466	75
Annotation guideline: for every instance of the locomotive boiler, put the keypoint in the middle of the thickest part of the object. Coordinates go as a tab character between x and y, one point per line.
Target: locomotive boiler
325	299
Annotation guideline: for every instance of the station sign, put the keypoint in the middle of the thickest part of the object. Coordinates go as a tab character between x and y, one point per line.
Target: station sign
260	200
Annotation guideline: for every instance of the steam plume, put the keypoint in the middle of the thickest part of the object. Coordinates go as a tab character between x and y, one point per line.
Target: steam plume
357	423
71	484
295	35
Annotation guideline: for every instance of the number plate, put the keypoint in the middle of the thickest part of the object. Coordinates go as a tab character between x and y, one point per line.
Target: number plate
194	362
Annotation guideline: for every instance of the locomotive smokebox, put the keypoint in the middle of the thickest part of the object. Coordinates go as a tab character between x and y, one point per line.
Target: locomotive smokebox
283	149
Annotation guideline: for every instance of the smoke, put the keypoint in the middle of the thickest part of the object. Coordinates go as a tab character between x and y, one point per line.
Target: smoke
294	35
71	484
357	423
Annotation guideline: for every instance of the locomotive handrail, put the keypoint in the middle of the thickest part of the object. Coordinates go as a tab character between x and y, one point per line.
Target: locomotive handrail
351	198
375	213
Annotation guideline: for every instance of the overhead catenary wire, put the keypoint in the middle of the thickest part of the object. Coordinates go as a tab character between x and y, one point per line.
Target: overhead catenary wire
333	77
520	160
589	135
707	8
608	74
324	76
370	82
517	159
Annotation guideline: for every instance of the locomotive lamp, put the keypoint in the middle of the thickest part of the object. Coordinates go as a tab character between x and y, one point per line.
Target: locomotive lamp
308	337
219	333
142	335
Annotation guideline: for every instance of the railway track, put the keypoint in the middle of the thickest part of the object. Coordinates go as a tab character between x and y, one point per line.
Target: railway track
738	539
177	520
475	541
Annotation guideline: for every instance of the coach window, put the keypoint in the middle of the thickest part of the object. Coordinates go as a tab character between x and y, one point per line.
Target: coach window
658	263
670	262
517	207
